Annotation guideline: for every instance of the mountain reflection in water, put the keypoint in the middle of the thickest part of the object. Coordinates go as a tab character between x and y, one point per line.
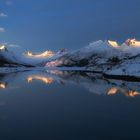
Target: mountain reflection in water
46	80
126	92
94	83
2	85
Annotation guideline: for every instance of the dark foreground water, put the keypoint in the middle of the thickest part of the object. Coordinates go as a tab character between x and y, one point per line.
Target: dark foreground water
58	105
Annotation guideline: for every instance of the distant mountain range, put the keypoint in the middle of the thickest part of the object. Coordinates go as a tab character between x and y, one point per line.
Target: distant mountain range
101	56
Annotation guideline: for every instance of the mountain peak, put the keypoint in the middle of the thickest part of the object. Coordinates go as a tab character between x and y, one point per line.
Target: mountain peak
3	48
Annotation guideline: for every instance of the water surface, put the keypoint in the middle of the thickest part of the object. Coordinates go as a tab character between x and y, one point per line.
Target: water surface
67	105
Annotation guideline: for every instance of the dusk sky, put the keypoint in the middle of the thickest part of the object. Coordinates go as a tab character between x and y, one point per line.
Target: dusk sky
39	25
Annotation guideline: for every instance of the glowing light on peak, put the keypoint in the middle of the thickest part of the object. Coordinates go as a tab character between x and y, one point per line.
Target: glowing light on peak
40	55
2	47
132	42
2	85
113	43
29	53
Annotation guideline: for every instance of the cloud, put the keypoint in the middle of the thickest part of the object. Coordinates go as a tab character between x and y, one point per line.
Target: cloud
3	15
2	30
9	45
9	3
13	45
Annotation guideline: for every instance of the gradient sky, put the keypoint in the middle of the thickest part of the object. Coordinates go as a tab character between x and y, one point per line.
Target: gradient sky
40	25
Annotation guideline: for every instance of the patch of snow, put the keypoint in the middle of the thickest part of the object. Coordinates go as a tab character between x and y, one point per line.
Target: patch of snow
126	69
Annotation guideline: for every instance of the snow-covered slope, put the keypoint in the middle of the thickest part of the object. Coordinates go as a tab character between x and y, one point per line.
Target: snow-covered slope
103	56
81	57
11	58
94	51
8	57
106	57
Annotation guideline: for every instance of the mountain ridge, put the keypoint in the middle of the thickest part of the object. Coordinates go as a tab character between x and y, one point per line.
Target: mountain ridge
105	56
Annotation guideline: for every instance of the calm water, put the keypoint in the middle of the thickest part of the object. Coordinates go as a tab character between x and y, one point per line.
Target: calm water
52	105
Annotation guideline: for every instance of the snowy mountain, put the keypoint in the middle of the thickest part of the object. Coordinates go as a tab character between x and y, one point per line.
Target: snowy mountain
95	51
107	57
10	58
7	57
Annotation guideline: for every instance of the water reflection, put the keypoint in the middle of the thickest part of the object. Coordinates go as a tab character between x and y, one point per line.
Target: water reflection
46	80
2	85
126	92
94	83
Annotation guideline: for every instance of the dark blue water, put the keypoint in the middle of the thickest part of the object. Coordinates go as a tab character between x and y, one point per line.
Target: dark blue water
67	106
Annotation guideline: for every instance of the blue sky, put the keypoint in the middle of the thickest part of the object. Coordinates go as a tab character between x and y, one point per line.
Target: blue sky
53	24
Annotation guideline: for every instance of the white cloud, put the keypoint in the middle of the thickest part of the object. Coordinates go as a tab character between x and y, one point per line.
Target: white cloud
3	15
2	30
